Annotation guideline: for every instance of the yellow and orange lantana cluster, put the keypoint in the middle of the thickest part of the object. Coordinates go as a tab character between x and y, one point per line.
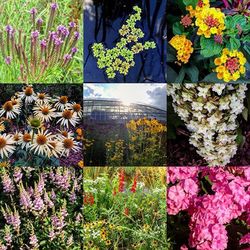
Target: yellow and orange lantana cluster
183	47
199	7
230	65
210	21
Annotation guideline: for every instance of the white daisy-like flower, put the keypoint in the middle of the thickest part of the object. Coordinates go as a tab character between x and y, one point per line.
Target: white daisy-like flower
17	137
26	140
2	127
68	117
69	144
77	108
45	112
57	148
10	110
61	103
27	95
35	122
43	98
7	146
41	143
65	134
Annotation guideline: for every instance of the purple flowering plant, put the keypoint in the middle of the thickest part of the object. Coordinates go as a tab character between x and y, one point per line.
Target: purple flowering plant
36	209
46	51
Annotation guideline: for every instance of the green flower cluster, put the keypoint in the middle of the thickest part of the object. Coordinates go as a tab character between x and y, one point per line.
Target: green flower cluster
121	58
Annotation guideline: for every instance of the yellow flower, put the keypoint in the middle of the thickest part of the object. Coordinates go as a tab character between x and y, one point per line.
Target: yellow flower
210	21
230	65
107	242
80	164
183	47
199	7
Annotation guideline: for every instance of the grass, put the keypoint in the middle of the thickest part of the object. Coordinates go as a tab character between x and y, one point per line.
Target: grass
16	13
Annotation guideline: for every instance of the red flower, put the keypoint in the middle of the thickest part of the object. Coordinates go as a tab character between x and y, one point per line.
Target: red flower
133	188
88	199
126	211
121	181
114	192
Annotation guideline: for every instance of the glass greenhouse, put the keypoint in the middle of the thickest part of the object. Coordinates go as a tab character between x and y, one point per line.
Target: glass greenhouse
109	109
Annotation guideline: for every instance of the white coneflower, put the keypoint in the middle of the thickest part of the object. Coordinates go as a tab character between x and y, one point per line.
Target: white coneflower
28	94
68	145
65	134
17	137
42	98
25	140
68	117
35	122
77	108
57	148
2	127
61	103
45	112
6	145
41	143
10	110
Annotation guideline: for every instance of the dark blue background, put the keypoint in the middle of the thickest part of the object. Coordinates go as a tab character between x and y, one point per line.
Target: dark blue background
102	23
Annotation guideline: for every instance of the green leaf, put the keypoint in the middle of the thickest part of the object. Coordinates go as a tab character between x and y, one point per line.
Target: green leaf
246	39
178	28
180	77
193	3
240	139
229	22
239	20
193	73
171	74
245	114
234	44
209	47
212	78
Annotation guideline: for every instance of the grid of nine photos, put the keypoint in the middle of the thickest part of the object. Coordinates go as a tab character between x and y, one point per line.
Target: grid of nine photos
124	124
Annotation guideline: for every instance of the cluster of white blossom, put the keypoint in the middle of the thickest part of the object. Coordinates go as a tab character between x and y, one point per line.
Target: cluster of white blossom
210	114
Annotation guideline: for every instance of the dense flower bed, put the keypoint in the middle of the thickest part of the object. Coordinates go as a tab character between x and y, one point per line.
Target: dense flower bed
208	41
215	199
40	209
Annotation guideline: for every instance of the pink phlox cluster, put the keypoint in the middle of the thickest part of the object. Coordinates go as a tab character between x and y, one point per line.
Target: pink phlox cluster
210	212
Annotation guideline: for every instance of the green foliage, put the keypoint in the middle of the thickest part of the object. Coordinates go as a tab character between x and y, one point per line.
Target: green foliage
125	219
209	47
121	58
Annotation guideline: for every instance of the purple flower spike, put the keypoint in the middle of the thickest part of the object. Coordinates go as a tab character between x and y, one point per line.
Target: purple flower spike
33	11
25	200
67	57
33	240
58	41
77	35
8	186
43	43
39	21
74	50
72	24
9	29
8	60
17	175
54	6
35	34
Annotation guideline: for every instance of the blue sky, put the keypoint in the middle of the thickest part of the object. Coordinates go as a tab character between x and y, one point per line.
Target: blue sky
151	94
